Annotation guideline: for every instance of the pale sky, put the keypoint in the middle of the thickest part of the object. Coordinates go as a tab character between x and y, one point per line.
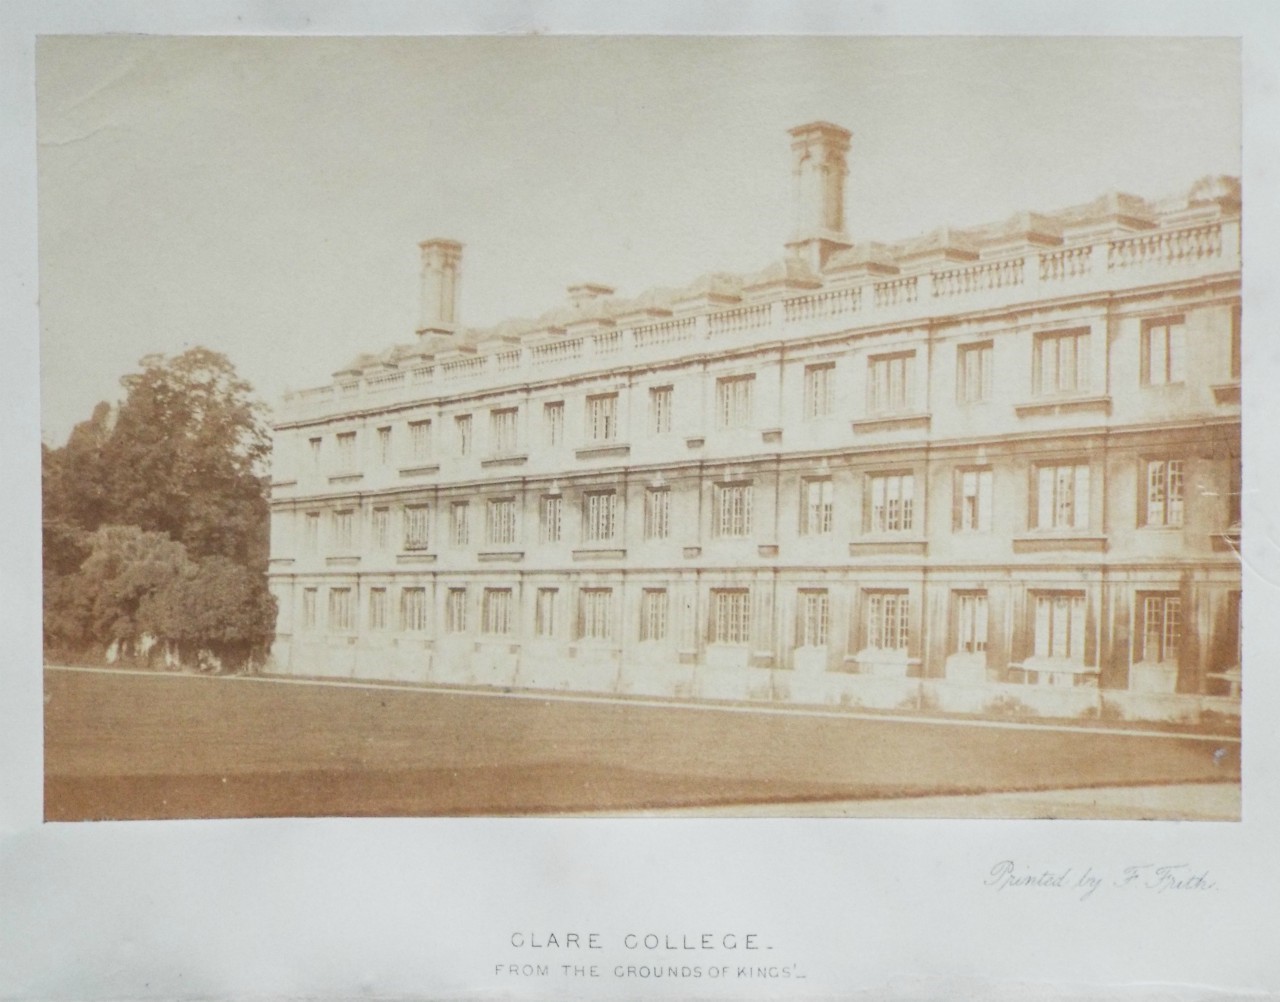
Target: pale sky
264	197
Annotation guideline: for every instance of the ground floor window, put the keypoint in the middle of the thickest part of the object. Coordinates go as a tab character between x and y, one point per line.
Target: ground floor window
455	610
1059	625
653	614
1159	627
971	622
888	614
595	619
545	613
377	608
731	616
309	608
413	608
341	609
813	618
497	610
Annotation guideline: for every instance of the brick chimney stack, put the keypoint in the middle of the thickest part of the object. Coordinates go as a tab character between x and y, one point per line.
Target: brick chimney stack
818	166
441	265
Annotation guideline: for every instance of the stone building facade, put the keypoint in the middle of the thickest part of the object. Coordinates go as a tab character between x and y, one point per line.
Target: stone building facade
993	470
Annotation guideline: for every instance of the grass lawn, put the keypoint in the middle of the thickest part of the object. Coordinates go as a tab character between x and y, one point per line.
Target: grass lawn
168	746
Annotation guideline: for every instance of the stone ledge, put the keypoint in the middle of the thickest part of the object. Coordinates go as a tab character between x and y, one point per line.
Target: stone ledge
500	556
892	422
912	547
1049	543
1059	406
419	471
415	558
512	460
603	451
594	554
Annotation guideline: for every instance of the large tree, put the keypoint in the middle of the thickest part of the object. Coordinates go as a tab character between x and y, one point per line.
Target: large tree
186	457
156	515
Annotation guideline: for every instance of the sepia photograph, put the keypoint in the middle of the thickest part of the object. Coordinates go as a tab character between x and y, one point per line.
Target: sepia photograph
641	426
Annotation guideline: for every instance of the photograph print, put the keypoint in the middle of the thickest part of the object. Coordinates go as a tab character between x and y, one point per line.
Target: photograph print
641	426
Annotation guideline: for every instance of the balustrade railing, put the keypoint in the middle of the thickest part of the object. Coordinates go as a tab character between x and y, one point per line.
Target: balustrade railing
1166	247
1070	262
555	351
459	368
895	291
823	304
667	332
744	318
977	278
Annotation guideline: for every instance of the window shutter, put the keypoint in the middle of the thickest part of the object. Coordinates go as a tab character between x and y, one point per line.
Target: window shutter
1077	629
1080	503
1044	498
1082	362
957	499
984	500
1043	608
1177	353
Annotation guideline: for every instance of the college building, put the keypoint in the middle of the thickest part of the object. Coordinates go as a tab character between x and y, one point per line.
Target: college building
992	470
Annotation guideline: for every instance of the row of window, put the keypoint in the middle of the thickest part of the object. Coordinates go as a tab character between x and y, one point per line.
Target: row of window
1060	365
1058	618
1060	500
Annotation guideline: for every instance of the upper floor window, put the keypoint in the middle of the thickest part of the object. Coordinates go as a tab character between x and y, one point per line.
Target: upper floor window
1159	627
344	529
497	610
599	516
417	527
732	515
502	429
973	372
419	440
553	422
1061	363
346	457
888	618
818	383
413	609
313	449
891	506
657	513
460	523
595	614
733	401
816	506
731	616
970	612
501	523
889	389
813	617
660	410
381	528
384	445
342	609
549	520
1061	496
1164	348
462	427
602	417
653	614
1059	626
973	500
455	610
1163	489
